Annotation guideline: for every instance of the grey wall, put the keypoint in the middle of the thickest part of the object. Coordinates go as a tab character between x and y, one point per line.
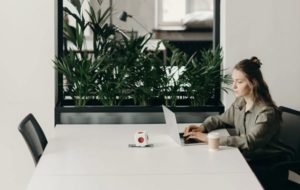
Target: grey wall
26	82
269	30
141	10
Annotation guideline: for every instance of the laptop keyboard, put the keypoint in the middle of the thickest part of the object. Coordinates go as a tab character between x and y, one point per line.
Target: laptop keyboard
187	141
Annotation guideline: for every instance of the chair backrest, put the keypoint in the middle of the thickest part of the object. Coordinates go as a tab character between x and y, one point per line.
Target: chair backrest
290	131
34	136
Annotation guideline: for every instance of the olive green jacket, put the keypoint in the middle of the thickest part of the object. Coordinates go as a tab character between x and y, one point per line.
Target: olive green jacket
257	128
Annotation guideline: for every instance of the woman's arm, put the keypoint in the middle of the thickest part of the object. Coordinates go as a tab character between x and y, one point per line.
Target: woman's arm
266	126
220	121
209	124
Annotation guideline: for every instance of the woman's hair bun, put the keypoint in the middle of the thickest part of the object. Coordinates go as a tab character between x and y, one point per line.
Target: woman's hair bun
255	61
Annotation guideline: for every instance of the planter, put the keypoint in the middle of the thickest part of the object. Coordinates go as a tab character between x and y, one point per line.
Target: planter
131	114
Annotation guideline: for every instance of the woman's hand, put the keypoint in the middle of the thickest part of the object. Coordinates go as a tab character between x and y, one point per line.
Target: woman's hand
199	136
193	128
195	132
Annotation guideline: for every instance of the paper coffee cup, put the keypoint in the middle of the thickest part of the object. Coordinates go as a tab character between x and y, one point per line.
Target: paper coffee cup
213	141
141	138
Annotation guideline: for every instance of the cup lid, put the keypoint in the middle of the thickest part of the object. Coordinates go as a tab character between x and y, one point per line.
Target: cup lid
213	135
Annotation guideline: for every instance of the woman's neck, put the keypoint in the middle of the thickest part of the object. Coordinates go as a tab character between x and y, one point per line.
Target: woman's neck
249	102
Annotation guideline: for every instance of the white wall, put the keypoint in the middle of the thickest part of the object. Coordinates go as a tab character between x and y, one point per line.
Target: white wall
141	10
269	30
26	82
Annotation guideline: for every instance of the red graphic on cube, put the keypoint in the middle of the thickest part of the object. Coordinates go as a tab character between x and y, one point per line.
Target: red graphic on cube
141	139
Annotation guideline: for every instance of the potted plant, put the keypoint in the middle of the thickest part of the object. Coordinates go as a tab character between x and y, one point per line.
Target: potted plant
123	72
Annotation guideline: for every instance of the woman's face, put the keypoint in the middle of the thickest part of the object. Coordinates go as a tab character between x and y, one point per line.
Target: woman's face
241	85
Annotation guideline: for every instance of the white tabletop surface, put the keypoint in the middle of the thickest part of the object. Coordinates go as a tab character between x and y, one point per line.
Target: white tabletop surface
98	157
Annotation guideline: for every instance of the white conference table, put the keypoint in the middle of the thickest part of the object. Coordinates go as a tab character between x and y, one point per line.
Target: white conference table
95	157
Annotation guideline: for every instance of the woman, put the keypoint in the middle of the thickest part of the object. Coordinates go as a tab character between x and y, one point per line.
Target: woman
253	114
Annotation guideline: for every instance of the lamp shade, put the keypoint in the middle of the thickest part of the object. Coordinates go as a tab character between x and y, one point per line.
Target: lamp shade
123	16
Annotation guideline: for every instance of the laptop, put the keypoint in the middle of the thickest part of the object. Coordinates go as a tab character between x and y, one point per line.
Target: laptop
173	131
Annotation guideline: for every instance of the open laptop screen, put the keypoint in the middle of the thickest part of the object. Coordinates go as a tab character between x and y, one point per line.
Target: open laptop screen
172	128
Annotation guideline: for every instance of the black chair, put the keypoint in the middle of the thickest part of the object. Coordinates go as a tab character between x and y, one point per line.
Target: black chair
272	169
34	136
290	136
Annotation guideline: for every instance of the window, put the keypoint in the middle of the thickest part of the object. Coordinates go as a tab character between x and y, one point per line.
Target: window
169	13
